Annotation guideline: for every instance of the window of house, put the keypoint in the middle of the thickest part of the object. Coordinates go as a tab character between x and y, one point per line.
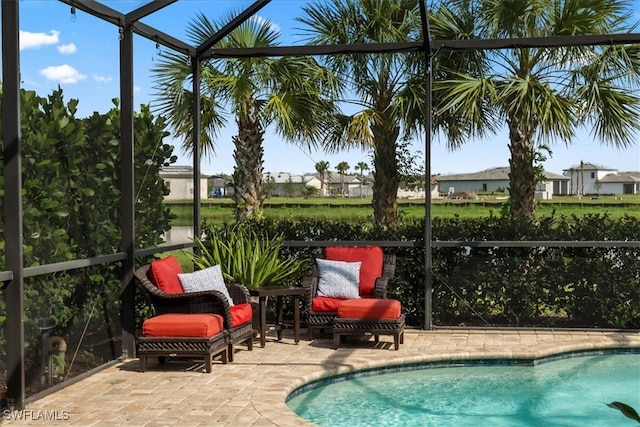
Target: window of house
484	187
593	175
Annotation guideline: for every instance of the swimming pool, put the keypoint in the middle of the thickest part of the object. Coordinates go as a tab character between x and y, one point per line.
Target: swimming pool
567	390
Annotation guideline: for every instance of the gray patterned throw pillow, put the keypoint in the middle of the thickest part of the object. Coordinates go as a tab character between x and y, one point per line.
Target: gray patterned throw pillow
209	279
338	279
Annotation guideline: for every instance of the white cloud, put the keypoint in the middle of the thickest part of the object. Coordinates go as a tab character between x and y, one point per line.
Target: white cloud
101	79
137	89
63	74
67	48
261	21
35	40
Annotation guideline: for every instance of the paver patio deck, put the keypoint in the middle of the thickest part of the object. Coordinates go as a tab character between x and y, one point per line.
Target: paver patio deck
252	390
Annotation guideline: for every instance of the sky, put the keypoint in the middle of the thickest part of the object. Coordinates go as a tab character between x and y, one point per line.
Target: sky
80	54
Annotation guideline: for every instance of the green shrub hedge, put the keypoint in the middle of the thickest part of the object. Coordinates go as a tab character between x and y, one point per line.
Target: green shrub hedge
501	286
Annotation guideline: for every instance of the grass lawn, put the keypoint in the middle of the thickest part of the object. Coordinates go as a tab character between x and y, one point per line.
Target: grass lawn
353	209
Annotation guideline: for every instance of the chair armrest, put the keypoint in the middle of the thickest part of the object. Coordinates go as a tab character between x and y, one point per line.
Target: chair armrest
310	285
239	293
380	288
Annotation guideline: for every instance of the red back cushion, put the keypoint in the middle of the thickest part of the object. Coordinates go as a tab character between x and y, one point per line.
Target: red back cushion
372	258
164	274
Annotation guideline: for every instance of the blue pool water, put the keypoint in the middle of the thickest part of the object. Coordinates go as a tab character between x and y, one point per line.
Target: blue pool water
571	391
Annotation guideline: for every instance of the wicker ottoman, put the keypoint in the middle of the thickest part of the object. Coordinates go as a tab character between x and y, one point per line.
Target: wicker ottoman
369	317
183	335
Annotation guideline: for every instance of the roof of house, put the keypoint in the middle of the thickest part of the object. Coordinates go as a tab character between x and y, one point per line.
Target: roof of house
493	174
178	172
622	177
588	166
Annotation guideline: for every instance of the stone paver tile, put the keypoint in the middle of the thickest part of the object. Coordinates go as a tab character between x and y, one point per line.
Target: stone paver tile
252	390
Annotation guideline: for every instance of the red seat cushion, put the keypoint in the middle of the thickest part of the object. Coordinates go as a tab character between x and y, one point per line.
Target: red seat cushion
183	325
369	309
325	304
240	314
371	257
164	274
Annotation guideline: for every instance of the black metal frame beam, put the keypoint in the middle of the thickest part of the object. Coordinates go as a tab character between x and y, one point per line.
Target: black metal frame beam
148	9
14	262
232	25
428	232
127	190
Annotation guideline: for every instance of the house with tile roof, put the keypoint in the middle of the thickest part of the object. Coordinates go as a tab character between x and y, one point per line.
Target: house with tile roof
496	180
584	177
619	183
592	179
179	180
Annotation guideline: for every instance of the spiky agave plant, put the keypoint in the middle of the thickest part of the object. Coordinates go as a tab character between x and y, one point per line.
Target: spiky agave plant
245	256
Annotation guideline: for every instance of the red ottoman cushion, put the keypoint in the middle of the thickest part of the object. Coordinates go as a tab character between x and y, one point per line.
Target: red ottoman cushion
369	309
240	314
183	325
371	257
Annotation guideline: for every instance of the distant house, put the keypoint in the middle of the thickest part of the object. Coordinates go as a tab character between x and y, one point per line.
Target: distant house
350	184
286	184
584	177
179	181
217	186
620	183
590	178
497	179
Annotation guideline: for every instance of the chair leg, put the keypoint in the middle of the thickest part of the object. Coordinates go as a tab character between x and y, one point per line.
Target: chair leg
225	355
208	360
143	363
336	340
230	351
396	341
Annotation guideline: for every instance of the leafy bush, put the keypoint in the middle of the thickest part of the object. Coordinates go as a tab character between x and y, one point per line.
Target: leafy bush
500	286
72	209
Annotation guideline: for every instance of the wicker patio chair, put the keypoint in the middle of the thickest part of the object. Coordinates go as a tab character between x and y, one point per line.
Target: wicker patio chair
202	302
324	319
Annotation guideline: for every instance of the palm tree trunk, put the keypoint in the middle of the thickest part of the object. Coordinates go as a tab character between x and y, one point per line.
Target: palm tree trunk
385	185
247	174
522	177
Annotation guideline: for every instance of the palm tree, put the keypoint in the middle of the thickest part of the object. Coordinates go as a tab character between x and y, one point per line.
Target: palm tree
361	166
541	94
384	86
581	178
322	167
289	92
571	172
342	167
